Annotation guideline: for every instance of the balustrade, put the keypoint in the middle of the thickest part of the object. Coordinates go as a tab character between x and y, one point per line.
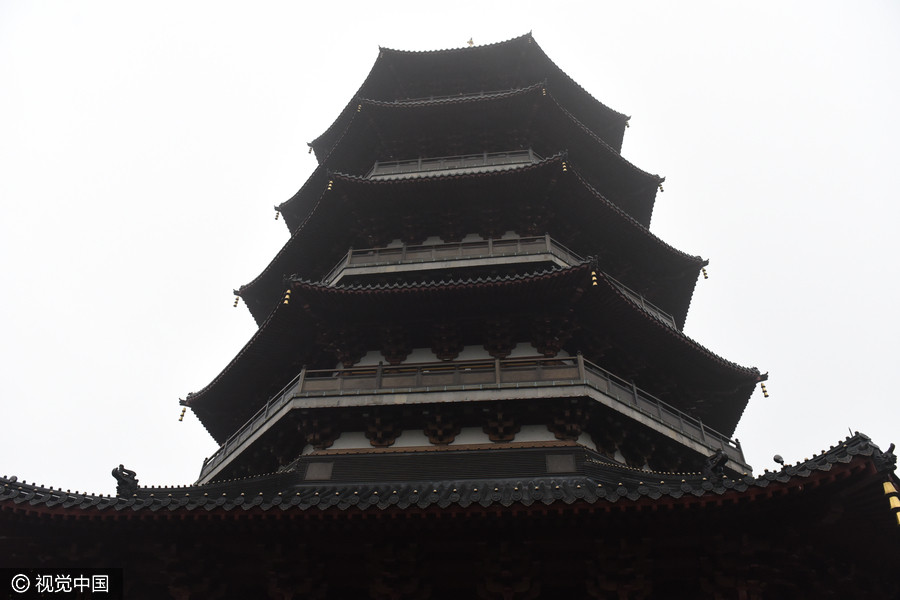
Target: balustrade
483	161
475	375
475	250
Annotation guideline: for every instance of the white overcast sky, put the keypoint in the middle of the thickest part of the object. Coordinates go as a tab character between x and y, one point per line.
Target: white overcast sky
143	145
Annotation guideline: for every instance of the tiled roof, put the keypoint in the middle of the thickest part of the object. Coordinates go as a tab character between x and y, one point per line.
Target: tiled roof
385	68
551	272
520	39
675	333
596	480
389	127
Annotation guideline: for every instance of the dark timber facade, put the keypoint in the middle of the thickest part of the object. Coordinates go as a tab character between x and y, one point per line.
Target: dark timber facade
470	380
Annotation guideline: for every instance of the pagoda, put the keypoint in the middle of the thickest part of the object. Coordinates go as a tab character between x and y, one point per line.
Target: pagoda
470	379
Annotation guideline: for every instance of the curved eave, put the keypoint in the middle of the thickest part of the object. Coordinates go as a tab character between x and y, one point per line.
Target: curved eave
724	387
435	299
396	68
265	363
528	116
296	209
615	139
326	220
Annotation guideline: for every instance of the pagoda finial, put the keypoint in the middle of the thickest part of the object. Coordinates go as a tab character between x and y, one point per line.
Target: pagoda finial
470	42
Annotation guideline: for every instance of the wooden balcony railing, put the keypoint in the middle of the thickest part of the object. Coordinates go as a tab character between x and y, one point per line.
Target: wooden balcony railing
477	375
360	260
456	251
483	161
457	96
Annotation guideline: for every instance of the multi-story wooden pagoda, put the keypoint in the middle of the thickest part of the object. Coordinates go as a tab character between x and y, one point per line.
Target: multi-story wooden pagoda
470	380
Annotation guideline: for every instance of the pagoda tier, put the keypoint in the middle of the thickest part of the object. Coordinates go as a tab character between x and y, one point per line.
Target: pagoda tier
499	122
517	63
546	197
314	416
557	310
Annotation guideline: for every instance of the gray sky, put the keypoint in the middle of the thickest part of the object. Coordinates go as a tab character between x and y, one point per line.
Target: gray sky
142	147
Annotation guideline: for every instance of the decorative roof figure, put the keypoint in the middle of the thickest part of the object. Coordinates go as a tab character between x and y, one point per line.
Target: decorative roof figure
126	481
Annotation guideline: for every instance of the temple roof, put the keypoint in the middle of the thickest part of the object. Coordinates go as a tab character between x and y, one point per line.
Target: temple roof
514	119
517	475
578	215
519	62
288	338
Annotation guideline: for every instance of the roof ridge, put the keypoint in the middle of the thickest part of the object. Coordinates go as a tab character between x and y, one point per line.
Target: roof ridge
510	41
